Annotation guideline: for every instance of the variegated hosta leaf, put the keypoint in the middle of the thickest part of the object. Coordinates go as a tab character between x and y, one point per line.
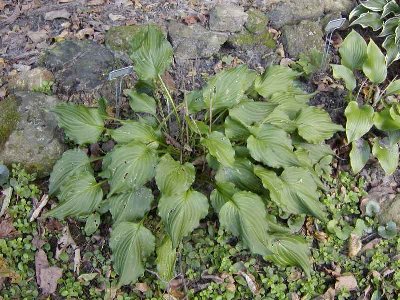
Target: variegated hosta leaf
241	175
131	166
222	194
172	177
289	250
357	11
131	243
80	195
135	131
220	147
72	162
271	146
390	7
227	88
244	215
250	112
353	51
374	5
182	213
80	123
342	72
141	102
166	259
374	66
388	155
392	49
315	125
359	154
131	205
151	53
275	79
295	190
369	19
359	120
234	130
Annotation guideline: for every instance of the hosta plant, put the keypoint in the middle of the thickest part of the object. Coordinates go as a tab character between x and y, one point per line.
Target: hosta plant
252	138
383	15
373	111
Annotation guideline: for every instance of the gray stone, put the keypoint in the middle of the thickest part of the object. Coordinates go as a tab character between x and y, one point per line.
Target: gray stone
390	211
35	141
335	6
80	69
119	38
256	22
30	80
227	18
191	42
302	38
57	14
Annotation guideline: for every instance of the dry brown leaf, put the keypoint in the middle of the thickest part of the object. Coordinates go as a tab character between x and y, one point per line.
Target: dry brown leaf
370	245
64	241
7	272
251	282
38	36
2	5
7	229
142	287
95	2
354	245
57	14
321	236
46	277
348	282
42	204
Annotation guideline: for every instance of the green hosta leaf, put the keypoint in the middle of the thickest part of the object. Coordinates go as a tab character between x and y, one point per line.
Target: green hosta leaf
234	130
131	166
283	117
151	53
369	19
357	11
359	154
289	250
197	126
274	80
172	177
394	137
241	174
374	5
383	120
166	259
141	102
131	243
244	215
388	155
227	88
80	123
295	191
80	195
222	194
374	66
315	125
131	205
271	146
342	72
194	101
250	112
92	223
72	162
134	131
220	147
390	8
393	88
359	120
182	213
353	51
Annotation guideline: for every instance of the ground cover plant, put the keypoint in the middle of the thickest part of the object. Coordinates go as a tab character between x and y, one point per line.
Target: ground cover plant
259	141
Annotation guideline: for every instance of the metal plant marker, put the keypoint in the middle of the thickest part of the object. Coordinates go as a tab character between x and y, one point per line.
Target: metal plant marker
329	29
119	74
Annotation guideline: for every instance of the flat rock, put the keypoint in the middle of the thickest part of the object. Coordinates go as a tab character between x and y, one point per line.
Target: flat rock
34	140
57	14
227	18
194	41
390	211
302	38
31	80
80	69
119	38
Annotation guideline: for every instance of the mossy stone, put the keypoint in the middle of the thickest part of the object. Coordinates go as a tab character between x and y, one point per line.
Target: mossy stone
9	118
119	38
257	21
246	38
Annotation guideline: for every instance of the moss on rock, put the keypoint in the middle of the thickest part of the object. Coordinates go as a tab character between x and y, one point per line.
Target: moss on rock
257	21
250	39
9	118
119	38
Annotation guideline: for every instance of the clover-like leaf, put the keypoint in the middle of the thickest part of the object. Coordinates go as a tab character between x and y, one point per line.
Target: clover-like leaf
353	51
131	243
342	72
359	154
244	215
220	147
359	120
80	123
131	205
387	155
151	52
172	177
135	131
80	195
374	66
141	102
182	213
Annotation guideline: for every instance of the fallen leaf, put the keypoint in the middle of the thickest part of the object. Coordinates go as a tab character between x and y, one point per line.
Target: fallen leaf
57	14
142	287
2	5
251	282
7	193
115	18
370	245
87	277
348	282
7	229
77	260
64	241
38	36
42	204
46	277
354	245
7	272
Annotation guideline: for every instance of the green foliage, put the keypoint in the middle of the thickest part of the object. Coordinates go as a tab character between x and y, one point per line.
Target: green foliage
377	107
45	88
250	125
384	15
309	63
